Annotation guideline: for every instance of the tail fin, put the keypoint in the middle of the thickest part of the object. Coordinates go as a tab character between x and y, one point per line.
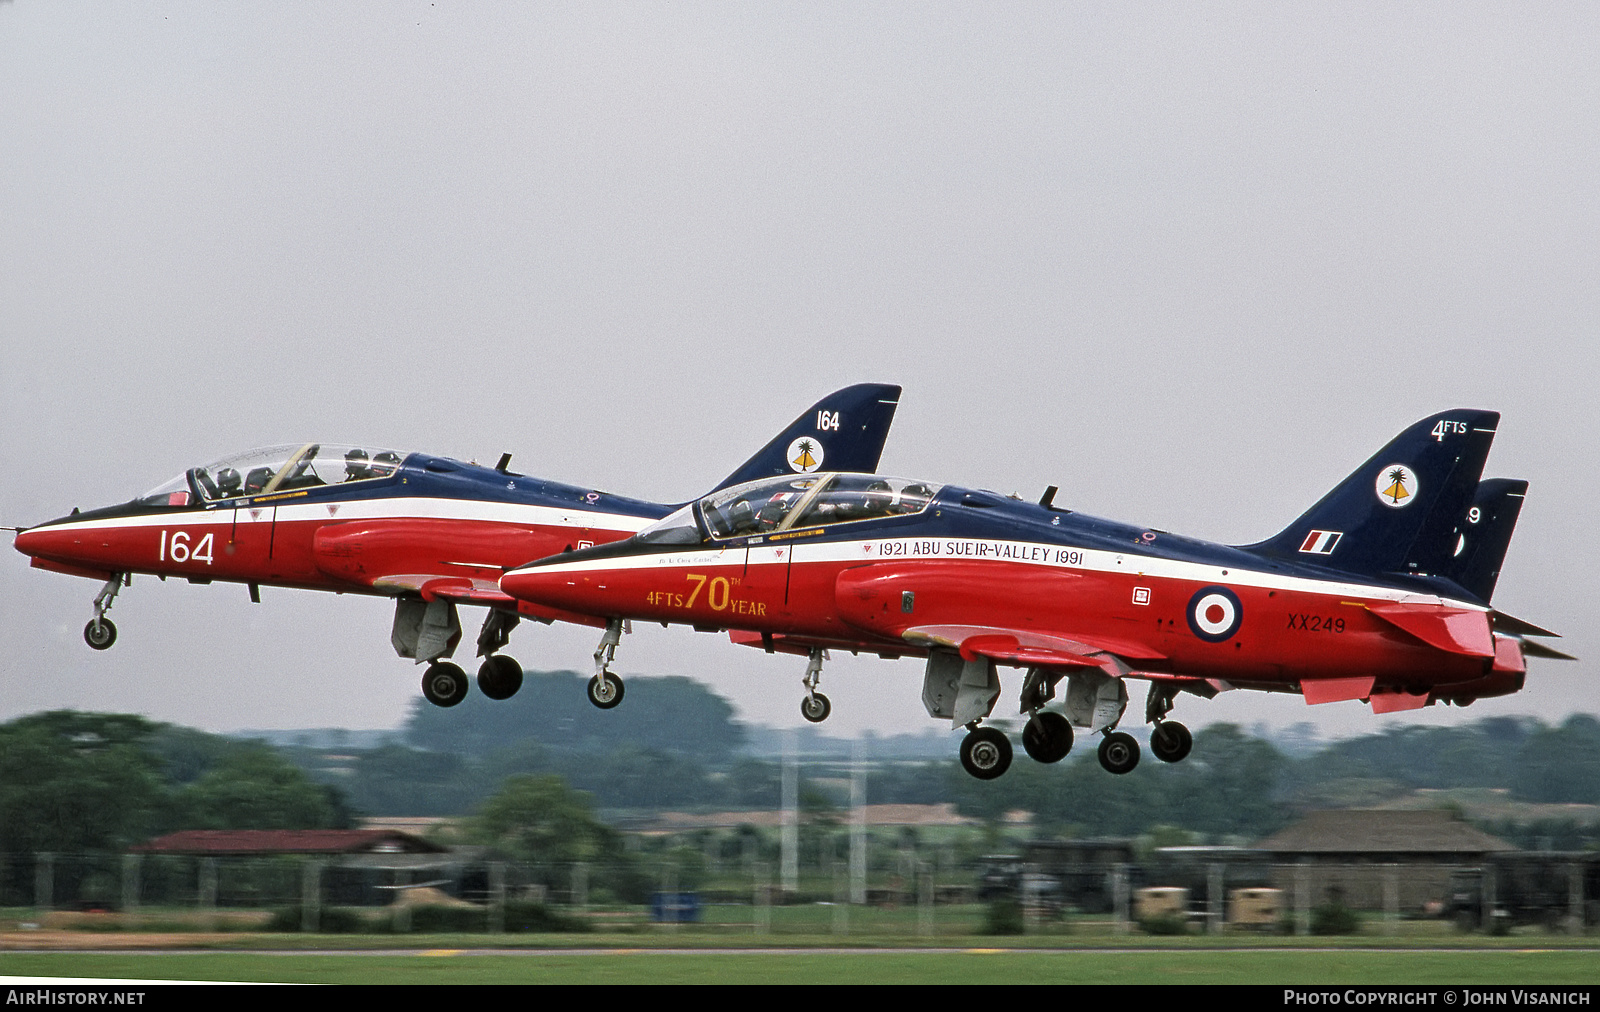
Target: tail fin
1401	511
845	431
1484	536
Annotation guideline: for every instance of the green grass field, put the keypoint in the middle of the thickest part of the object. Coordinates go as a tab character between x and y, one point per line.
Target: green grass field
1004	966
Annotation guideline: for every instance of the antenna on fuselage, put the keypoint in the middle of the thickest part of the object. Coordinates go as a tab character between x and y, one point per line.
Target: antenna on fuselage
505	462
1048	500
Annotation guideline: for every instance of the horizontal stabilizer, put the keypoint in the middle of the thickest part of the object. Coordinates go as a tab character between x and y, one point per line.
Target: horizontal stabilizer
1532	648
1454	630
1517	627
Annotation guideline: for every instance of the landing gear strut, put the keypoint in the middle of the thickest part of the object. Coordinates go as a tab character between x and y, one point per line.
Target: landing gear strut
100	633
605	689
815	707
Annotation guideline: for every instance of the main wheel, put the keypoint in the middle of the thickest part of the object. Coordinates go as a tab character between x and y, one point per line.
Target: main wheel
815	708
605	692
100	633
1170	741
1047	737
986	753
499	677
444	684
1119	753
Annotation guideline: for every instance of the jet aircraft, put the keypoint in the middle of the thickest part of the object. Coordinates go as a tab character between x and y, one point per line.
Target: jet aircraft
431	532
1380	592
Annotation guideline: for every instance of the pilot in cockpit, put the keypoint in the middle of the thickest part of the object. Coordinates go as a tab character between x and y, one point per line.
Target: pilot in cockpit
357	466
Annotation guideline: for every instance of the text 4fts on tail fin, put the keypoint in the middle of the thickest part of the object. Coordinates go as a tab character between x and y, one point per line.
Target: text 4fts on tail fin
845	431
1400	512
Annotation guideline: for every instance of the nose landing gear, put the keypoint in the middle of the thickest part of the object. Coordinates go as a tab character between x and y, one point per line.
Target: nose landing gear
605	689
815	707
100	633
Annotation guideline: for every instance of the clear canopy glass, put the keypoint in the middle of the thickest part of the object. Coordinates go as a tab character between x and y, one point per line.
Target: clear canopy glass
272	469
773	505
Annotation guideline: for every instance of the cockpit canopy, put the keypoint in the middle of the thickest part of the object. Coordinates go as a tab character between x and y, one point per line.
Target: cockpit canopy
775	505
275	469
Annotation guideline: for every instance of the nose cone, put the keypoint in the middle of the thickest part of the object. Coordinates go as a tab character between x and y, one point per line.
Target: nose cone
44	540
539	585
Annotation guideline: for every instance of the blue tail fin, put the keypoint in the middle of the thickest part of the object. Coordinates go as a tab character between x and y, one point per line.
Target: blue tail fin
845	431
1484	536
1401	511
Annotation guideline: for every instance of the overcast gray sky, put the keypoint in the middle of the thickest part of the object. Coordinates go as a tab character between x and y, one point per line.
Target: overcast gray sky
1190	262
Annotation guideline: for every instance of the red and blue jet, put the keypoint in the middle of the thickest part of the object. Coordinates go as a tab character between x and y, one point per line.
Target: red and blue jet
1380	592
430	532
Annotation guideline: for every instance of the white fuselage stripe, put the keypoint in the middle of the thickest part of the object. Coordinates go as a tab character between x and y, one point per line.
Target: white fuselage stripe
1050	556
390	508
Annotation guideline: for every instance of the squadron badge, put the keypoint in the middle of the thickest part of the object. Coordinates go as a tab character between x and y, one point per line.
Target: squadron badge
1397	486
805	454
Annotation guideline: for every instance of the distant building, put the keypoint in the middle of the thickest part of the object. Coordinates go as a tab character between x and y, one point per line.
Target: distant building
1376	860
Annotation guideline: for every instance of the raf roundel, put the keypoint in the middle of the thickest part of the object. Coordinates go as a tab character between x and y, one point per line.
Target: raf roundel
1214	613
1397	486
805	454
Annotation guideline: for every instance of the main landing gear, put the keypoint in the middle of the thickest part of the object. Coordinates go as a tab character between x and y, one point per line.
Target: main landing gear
986	752
444	684
430	630
100	633
815	707
1095	703
1169	740
605	689
1047	737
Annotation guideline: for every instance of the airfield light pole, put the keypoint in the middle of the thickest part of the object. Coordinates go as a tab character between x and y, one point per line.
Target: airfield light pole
858	827
791	817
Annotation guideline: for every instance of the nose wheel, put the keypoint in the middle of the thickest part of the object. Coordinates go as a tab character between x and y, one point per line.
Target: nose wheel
815	708
605	689
444	684
100	633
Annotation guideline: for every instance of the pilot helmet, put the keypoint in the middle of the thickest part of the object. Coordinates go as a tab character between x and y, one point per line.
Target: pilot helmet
356	463
229	482
879	496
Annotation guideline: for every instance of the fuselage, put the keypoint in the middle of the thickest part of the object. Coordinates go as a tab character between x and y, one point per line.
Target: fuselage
941	570
422	524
